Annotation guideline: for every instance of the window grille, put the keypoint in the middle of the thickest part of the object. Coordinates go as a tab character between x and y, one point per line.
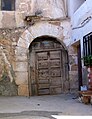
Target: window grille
87	48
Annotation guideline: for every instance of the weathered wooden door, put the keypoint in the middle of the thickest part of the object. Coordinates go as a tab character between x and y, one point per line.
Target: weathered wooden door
48	67
48	72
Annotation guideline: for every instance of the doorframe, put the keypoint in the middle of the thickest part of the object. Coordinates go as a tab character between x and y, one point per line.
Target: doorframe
79	66
64	48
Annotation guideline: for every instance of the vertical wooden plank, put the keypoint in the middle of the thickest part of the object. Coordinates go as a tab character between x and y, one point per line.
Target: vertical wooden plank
36	70
61	70
29	77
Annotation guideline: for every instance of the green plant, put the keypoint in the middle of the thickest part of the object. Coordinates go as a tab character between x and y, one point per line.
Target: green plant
87	60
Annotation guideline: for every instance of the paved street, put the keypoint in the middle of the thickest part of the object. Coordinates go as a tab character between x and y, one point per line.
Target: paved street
42	107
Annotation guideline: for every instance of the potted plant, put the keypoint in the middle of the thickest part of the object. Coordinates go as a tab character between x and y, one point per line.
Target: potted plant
87	60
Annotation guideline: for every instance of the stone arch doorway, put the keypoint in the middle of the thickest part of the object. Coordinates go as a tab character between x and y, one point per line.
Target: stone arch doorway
48	66
21	66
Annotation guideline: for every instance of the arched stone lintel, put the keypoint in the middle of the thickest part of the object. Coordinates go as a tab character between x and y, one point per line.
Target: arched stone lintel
38	30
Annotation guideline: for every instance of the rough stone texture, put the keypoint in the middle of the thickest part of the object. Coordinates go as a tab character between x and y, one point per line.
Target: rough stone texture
6	66
7	83
73	81
20	45
73	67
49	9
23	90
21	59
7	56
45	28
19	19
10	35
21	77
10	18
7	88
21	66
24	6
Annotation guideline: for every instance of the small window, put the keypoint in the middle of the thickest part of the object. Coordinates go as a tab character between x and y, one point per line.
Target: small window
8	5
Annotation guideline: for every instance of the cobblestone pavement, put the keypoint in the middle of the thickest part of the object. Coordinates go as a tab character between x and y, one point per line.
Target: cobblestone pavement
42	107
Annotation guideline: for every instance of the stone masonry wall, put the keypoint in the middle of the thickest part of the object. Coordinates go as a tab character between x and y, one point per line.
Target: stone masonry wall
8	40
46	8
73	70
16	36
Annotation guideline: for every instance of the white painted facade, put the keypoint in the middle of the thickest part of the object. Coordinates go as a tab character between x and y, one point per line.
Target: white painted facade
73	6
81	20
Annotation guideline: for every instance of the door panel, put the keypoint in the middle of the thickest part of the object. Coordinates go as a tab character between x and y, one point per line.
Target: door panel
54	63
54	81
43	73
55	72
48	64
55	54
43	64
42	56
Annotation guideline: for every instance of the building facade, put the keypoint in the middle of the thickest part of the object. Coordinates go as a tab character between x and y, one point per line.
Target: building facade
36	56
81	20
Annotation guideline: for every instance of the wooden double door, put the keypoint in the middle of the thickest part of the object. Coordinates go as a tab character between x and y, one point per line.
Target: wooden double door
48	67
48	72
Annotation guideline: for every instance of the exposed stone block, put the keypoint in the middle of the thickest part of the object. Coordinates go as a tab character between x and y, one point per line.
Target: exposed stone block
21	51
23	90
28	37
19	19
21	78
21	59
74	67
73	80
21	66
